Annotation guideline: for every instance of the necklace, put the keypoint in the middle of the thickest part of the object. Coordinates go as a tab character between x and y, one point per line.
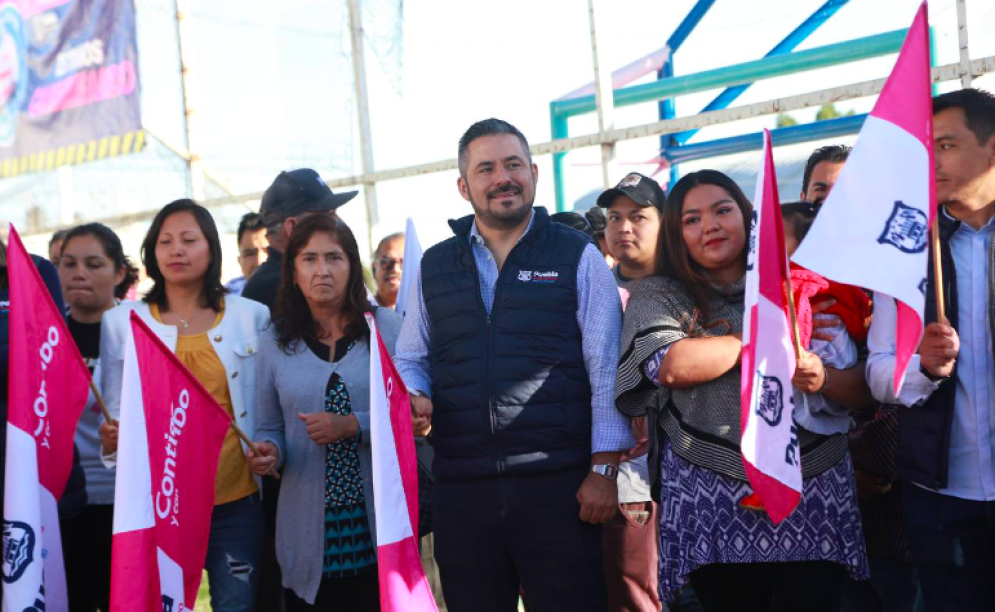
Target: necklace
184	322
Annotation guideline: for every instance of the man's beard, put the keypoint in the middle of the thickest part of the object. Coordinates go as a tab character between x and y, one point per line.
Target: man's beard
500	218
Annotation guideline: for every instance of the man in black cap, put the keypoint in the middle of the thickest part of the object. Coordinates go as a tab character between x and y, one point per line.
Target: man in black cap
633	210
292	196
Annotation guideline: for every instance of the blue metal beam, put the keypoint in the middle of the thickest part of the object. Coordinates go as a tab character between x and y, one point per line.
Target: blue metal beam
792	40
830	128
668	109
689	24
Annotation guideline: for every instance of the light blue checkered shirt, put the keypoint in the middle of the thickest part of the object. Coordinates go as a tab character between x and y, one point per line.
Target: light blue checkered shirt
599	315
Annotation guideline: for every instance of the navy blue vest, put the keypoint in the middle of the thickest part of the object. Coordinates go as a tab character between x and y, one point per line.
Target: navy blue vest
510	391
923	453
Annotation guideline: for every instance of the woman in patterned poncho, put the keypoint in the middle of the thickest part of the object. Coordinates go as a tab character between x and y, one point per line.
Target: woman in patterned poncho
681	346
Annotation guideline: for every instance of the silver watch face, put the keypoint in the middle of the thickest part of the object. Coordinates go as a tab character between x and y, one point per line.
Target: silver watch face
607	470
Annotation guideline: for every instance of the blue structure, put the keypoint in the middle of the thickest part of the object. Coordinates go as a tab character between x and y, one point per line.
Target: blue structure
780	60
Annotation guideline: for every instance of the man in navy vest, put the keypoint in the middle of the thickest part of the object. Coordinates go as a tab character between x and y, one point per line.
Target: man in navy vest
509	348
946	435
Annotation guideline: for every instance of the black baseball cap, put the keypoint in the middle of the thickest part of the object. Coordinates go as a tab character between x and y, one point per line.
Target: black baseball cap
640	189
296	192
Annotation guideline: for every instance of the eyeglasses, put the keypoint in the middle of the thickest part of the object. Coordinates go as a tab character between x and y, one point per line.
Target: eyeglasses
389	263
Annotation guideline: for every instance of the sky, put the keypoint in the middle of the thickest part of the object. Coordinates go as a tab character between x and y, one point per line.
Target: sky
467	60
272	88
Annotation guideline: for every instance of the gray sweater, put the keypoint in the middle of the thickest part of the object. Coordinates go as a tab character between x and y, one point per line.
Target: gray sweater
296	383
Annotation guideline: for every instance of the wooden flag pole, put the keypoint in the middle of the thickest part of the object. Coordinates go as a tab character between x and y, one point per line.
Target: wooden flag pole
255	449
793	316
103	406
934	240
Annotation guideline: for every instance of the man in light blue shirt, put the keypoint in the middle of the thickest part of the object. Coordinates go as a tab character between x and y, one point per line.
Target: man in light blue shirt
509	348
946	443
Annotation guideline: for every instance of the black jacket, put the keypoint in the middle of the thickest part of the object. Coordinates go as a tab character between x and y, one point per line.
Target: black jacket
924	431
510	390
264	284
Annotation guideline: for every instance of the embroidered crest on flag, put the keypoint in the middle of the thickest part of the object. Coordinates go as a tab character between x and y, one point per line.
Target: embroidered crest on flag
906	229
771	404
18	547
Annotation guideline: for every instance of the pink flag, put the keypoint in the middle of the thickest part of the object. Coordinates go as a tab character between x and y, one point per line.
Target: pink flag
770	441
403	587
170	441
873	230
48	390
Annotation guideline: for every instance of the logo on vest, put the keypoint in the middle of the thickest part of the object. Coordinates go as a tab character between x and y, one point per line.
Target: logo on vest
538	276
18	549
770	405
905	229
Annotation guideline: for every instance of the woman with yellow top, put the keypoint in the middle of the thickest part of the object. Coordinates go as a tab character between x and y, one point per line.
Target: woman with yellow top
216	337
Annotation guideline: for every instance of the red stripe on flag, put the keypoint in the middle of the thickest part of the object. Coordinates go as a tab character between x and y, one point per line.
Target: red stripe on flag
403	586
135	572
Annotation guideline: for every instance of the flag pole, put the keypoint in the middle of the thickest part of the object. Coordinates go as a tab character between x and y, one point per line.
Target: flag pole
255	449
934	240
793	316
100	402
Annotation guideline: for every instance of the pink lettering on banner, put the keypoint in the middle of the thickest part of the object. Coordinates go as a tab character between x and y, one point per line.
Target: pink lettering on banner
84	88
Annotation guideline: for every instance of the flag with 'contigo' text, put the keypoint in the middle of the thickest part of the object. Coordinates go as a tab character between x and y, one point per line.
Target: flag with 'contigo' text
873	229
771	455
403	586
170	440
48	388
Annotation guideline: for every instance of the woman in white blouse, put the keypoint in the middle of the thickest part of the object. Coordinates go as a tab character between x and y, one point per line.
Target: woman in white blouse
216	338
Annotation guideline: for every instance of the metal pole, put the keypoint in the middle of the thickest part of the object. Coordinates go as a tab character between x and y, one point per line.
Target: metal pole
603	94
965	55
363	111
193	160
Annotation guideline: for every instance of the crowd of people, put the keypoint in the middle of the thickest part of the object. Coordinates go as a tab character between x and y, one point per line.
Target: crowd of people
576	378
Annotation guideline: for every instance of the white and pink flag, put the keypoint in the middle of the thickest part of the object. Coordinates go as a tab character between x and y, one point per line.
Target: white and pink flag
49	385
170	441
403	586
771	455
873	230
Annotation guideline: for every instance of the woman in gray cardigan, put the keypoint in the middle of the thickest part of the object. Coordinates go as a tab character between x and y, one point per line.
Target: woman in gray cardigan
314	402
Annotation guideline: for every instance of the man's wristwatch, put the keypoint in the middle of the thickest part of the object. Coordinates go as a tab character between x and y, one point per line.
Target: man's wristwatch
605	470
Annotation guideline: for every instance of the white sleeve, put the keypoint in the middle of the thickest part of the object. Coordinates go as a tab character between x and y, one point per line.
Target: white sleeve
881	362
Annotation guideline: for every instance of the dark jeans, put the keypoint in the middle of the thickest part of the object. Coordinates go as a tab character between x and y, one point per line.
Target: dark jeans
893	587
495	535
86	547
233	553
269	596
805	586
953	546
354	594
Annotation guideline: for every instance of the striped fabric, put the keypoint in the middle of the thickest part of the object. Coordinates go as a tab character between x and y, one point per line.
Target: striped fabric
701	423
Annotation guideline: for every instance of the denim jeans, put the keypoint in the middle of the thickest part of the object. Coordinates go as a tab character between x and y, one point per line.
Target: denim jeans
234	550
953	546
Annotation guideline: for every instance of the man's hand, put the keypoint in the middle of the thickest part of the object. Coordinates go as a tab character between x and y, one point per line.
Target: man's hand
818	324
869	485
809	373
108	436
421	415
265	461
325	427
598	496
939	349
